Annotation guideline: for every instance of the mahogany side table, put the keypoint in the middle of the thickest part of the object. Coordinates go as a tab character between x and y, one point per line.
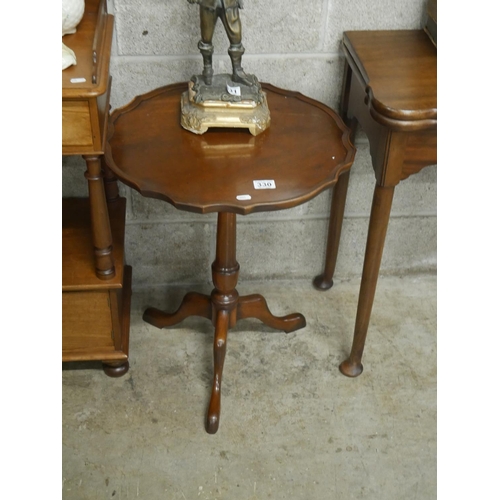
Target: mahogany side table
390	89
96	283
231	172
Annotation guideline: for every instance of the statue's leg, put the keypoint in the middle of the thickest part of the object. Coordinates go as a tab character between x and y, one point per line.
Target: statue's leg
232	24
239	75
206	51
208	20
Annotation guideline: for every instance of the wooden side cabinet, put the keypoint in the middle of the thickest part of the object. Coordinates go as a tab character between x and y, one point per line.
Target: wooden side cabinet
96	283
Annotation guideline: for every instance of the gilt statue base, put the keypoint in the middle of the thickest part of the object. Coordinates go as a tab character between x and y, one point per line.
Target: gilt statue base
219	105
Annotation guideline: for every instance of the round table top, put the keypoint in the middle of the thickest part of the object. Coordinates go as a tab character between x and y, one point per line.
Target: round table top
303	152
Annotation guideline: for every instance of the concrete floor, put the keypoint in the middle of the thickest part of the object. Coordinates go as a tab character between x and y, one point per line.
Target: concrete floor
292	427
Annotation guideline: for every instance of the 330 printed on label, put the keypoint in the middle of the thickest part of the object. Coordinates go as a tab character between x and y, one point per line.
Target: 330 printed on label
264	184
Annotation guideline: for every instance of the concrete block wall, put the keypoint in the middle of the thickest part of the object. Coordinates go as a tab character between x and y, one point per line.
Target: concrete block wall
294	45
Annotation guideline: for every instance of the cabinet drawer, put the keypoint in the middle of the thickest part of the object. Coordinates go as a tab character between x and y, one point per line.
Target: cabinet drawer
76	125
86	321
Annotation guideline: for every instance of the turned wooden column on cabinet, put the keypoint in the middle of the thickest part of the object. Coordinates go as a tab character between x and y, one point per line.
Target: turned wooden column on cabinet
96	283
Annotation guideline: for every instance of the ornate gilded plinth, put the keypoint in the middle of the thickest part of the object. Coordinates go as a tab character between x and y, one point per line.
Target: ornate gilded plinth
224	104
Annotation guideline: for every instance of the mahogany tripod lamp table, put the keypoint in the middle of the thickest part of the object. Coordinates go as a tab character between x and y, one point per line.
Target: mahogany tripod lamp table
231	172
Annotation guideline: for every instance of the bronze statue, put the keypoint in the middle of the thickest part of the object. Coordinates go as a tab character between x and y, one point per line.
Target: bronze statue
224	100
228	12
